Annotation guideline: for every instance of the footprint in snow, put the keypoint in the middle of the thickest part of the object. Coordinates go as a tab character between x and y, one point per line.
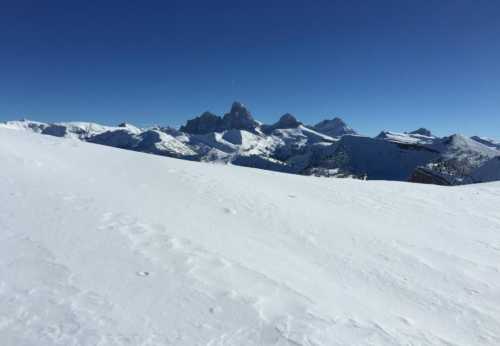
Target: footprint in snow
213	310
292	196
229	211
142	273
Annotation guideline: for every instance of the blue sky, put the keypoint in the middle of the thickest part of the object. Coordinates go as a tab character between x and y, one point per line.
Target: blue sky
377	64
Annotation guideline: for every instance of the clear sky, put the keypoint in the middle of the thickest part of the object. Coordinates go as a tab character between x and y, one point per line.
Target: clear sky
379	64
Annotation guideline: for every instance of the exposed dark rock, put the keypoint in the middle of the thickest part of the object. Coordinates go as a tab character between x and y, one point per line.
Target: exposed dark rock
148	141
424	176
205	123
118	138
168	130
422	131
239	118
379	160
287	121
489	171
55	130
335	127
233	136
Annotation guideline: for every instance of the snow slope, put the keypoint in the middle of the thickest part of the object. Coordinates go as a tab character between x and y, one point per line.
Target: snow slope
487	141
407	138
101	246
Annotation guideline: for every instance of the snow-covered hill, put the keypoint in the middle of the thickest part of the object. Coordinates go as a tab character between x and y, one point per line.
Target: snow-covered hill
459	159
415	137
487	141
335	127
101	246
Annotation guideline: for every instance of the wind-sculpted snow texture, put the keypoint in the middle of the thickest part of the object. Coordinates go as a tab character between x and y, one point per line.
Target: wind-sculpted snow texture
330	148
101	246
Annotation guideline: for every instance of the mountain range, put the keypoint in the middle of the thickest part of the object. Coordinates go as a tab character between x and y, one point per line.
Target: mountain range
329	148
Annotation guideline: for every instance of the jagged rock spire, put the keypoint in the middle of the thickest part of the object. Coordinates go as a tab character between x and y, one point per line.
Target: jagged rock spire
239	118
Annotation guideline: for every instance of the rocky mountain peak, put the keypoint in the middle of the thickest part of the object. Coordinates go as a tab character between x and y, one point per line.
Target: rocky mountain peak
239	118
238	107
335	127
287	121
422	131
205	123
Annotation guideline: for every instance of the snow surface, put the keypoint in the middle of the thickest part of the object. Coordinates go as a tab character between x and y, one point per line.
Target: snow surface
102	246
76	129
408	138
459	147
487	141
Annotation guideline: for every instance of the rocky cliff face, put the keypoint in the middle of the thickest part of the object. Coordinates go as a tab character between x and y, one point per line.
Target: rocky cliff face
423	132
287	121
205	123
489	171
374	158
239	118
335	127
424	176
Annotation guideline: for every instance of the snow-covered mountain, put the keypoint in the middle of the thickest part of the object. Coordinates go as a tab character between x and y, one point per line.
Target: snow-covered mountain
335	127
101	246
373	158
329	148
420	136
487	141
459	159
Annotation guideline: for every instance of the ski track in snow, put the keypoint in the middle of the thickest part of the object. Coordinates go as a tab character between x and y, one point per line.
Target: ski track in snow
105	247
